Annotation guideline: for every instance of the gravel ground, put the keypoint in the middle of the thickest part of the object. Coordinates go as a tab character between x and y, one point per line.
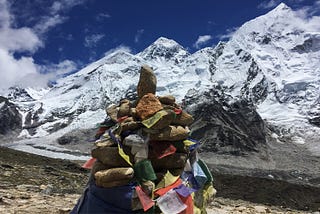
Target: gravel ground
37	184
39	199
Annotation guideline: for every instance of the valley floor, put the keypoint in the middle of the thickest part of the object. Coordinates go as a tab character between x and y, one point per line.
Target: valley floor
36	184
31	199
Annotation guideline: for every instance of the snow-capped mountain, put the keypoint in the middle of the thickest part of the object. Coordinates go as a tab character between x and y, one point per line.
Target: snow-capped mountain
272	62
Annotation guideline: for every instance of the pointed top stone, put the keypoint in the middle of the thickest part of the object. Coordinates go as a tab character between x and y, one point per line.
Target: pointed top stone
147	82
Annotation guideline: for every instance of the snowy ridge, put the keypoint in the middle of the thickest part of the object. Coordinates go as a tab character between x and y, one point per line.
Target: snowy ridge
287	54
272	61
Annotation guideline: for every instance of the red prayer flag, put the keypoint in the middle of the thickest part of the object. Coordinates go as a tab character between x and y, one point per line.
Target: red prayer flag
162	191
145	200
89	163
162	149
177	110
189	202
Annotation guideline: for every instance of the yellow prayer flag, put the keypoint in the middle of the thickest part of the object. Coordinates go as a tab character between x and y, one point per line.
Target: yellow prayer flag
154	119
124	155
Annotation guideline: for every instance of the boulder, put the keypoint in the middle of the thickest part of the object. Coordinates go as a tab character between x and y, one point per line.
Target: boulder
117	176
147	106
183	119
112	112
124	109
173	161
171	133
160	120
167	99
109	156
147	82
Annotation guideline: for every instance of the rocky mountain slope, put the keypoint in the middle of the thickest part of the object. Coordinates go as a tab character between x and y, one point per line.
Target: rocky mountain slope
252	96
10	119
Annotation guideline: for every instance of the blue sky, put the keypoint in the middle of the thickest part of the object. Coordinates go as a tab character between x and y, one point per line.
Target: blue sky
44	39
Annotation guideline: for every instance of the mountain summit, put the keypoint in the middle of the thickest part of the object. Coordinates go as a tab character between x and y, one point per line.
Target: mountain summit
164	49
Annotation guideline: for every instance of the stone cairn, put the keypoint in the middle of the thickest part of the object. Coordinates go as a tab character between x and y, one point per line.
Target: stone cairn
145	143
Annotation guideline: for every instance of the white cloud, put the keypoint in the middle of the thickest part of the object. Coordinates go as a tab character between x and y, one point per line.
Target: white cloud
228	35
21	39
63	5
65	67
308	20
48	22
15	71
202	40
138	35
92	40
23	71
311	24
269	4
31	76
5	17
54	18
102	16
309	11
119	48
12	70
60	69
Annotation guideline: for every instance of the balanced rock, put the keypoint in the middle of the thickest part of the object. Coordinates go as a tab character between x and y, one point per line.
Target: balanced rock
147	82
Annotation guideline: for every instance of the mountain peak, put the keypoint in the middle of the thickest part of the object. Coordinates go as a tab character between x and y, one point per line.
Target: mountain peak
282	8
119	53
163	41
164	48
281	22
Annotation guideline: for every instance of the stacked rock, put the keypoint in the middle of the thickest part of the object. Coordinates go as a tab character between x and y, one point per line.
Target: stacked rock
144	143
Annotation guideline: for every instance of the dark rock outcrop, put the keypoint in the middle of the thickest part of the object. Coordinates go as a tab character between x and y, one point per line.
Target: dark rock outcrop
79	140
10	118
315	121
19	94
226	129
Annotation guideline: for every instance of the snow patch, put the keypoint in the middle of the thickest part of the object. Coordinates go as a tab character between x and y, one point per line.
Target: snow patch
24	134
298	140
2	104
49	151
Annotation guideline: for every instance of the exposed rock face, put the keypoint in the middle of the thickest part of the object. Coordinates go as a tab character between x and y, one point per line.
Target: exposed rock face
315	121
19	94
78	139
235	129
10	118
